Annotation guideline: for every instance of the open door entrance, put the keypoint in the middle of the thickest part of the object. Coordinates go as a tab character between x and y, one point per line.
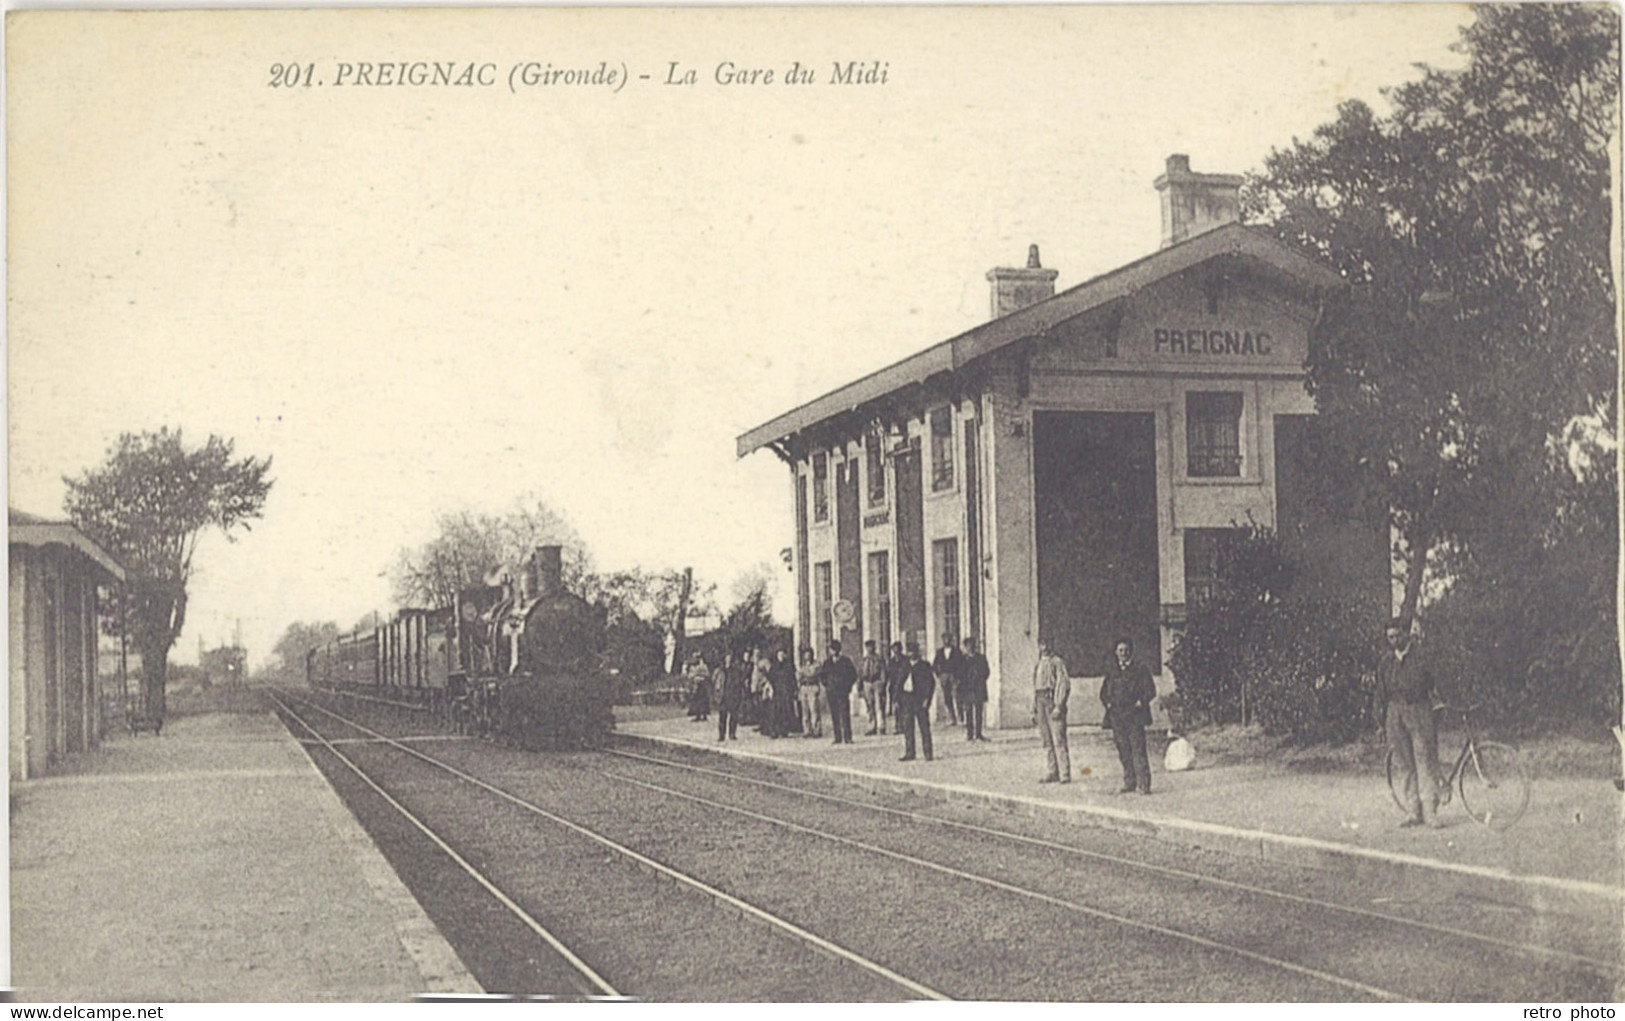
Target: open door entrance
910	550
1095	510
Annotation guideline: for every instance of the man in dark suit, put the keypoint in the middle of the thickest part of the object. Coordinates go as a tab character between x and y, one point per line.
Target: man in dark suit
895	670
733	688
912	697
1127	691
1407	684
839	677
973	674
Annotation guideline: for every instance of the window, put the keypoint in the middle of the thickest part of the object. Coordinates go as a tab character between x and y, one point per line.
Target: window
942	449
880	599
1212	434
945	571
1203	548
825	593
875	466
820	486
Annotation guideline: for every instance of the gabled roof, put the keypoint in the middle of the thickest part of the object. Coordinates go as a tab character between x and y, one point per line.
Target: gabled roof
957	352
30	530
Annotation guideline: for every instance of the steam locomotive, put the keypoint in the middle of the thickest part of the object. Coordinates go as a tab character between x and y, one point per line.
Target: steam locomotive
516	661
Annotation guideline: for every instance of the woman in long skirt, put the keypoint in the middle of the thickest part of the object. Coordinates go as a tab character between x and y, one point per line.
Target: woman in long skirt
781	706
699	695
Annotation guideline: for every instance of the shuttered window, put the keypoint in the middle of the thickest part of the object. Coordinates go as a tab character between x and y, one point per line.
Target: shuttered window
1212	434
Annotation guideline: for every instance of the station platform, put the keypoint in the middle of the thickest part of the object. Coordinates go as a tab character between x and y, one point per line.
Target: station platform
212	864
1564	854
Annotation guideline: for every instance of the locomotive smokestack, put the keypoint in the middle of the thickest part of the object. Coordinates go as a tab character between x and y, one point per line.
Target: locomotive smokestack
549	566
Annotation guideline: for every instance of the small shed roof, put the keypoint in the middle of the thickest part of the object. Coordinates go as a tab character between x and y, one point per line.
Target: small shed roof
956	352
30	530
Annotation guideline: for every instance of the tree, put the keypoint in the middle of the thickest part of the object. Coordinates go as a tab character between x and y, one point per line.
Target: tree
640	607
749	624
1473	222
148	504
469	547
288	654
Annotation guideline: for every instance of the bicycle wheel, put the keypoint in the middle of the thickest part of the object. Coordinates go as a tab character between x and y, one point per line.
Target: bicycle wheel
1494	784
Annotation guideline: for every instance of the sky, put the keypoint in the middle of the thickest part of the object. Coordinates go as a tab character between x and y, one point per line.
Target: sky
425	299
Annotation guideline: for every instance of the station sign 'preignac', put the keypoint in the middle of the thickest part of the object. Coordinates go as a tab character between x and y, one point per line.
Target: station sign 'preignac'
1214	343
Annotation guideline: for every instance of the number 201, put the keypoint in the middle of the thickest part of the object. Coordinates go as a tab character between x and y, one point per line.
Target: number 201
286	76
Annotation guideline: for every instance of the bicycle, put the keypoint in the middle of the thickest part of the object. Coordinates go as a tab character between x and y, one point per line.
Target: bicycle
1491	777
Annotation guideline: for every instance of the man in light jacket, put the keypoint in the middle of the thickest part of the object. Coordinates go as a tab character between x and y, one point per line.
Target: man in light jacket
1051	688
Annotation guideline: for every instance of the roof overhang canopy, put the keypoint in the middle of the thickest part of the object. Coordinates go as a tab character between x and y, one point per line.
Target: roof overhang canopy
1232	240
27	530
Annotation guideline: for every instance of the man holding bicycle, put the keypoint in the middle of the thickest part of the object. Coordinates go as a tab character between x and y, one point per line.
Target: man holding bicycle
1407	684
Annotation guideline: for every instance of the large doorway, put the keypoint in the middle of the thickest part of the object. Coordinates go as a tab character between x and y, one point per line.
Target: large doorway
849	551
910	549
1095	515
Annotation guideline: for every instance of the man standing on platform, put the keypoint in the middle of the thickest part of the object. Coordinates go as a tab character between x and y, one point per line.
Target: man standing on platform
896	670
872	686
1127	691
973	674
811	695
915	686
1051	688
947	666
839	677
1407	684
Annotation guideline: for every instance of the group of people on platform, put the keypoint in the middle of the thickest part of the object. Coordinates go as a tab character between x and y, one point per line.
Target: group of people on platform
896	689
901	688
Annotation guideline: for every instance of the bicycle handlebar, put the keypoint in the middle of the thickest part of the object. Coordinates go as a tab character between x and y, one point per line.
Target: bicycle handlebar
1462	709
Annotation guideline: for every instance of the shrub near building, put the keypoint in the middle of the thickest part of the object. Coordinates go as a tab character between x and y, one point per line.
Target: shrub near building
1278	645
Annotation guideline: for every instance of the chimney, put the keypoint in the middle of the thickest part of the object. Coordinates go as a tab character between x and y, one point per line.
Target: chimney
549	562
1015	289
1193	203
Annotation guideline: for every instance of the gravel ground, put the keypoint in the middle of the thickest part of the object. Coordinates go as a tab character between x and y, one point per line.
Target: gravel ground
968	940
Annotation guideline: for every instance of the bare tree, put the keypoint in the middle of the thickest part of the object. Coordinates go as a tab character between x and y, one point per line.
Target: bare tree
469	547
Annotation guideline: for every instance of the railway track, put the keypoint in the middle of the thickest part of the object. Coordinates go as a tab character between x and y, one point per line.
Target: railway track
962	883
1605	969
583	977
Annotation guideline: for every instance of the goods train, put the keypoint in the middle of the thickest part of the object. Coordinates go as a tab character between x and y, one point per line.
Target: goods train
520	662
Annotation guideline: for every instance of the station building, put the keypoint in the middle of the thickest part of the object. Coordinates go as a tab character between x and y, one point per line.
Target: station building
1067	467
56	698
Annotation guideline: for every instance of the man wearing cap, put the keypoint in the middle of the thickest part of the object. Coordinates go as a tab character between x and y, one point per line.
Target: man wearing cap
1051	687
839	676
872	686
973	674
896	669
915	686
947	666
1407	684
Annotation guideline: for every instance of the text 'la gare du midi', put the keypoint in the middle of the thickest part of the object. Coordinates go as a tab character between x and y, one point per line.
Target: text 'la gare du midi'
541	74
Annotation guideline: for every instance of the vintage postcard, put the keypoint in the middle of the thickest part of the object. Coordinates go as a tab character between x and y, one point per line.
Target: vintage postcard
840	503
